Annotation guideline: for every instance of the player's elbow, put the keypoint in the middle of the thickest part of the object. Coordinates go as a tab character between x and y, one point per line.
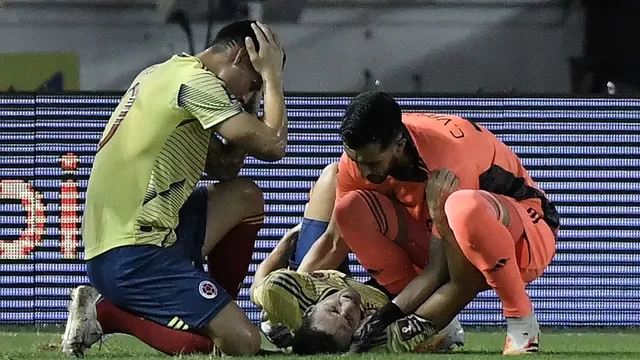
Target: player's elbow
273	154
266	148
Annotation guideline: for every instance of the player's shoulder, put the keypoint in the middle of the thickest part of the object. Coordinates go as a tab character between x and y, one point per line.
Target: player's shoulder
191	71
286	276
429	120
278	282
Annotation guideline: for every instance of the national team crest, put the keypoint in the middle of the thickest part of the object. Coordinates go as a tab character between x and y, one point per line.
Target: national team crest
207	289
319	275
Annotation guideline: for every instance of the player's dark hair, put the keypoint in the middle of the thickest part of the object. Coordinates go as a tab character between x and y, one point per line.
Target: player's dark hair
371	117
233	35
309	341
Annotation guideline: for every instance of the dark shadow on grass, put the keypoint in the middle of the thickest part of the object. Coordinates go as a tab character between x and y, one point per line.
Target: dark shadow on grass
559	353
27	328
563	329
609	353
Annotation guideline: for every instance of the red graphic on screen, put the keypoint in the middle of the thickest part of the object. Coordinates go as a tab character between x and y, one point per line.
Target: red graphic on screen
35	224
31	236
69	195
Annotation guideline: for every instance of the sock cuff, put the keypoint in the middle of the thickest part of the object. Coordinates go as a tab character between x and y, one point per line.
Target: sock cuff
253	220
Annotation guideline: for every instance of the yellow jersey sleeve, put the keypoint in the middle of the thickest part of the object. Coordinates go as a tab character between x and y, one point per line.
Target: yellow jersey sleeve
278	296
205	97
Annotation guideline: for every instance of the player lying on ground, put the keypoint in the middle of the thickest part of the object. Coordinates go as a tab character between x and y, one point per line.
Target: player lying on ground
145	226
324	308
498	229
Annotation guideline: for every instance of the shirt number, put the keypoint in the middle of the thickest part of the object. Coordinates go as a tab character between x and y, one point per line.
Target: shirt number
131	96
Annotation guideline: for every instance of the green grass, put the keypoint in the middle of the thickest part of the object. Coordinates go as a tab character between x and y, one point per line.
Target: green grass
18	343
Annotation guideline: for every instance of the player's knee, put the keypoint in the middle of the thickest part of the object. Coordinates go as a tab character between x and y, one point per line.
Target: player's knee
462	207
329	173
327	180
233	333
247	195
349	208
250	345
242	341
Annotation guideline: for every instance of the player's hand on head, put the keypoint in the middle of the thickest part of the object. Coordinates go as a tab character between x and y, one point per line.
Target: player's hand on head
269	59
441	184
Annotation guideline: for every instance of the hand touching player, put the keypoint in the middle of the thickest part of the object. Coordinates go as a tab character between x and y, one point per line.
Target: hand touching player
374	327
268	61
441	184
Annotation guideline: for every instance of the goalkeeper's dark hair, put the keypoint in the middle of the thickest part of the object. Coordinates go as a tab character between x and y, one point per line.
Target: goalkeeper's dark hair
371	117
309	341
234	35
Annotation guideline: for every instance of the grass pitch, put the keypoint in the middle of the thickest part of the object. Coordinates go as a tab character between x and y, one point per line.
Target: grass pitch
18	343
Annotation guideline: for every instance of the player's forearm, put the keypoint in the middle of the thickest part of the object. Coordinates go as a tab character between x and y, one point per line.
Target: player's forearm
446	303
275	111
327	253
279	256
462	286
417	291
432	277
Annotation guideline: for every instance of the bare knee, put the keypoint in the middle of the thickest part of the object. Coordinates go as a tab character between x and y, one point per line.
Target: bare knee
330	172
250	343
233	333
246	341
322	197
327	180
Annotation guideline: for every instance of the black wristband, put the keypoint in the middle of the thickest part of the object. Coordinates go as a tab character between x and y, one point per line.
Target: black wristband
389	313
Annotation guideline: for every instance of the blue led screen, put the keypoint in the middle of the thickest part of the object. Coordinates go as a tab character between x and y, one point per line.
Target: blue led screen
584	152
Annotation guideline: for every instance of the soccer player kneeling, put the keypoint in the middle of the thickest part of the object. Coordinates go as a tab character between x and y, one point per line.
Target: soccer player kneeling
147	231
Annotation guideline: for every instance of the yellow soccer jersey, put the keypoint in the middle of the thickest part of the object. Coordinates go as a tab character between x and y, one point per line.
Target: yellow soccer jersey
285	295
151	155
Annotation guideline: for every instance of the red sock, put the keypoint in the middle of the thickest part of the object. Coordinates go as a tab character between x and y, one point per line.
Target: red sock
228	262
171	342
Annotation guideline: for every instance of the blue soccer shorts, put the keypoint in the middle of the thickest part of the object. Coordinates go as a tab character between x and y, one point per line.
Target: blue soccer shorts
163	284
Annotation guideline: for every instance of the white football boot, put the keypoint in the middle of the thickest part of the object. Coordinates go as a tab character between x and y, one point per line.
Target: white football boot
445	340
83	329
451	336
523	335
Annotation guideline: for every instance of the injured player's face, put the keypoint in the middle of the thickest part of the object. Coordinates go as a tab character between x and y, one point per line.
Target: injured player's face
338	315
